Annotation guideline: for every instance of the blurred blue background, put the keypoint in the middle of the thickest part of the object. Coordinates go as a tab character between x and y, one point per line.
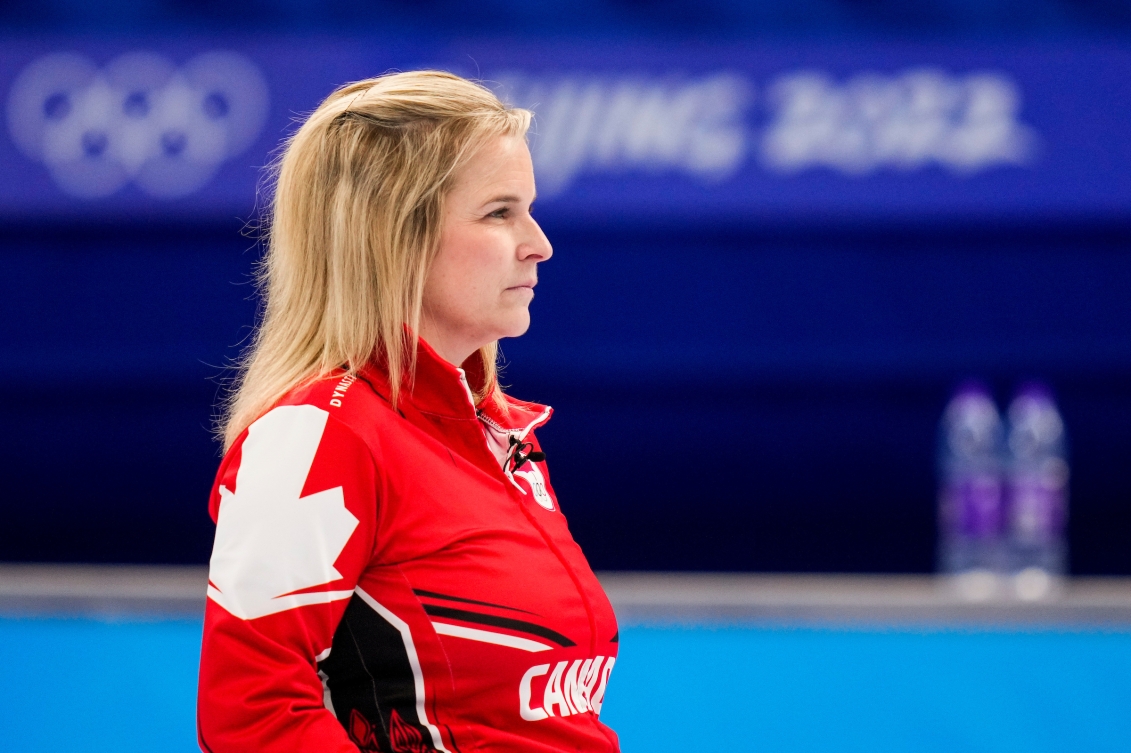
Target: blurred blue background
783	232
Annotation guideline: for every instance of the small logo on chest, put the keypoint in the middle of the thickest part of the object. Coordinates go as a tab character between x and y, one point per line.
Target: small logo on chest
533	476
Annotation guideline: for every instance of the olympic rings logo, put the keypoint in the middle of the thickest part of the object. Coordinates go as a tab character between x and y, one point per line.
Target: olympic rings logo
139	119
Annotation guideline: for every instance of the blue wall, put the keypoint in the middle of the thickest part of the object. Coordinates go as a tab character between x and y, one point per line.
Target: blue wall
749	401
593	17
748	354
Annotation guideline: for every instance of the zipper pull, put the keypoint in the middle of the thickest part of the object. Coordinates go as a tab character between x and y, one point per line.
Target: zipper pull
519	458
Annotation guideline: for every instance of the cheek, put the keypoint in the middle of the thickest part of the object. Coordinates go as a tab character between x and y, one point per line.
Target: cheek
450	292
466	279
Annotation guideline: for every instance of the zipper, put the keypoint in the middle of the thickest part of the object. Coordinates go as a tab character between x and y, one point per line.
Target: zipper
591	618
518	434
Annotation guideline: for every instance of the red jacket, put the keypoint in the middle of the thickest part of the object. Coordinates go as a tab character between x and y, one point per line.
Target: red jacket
380	582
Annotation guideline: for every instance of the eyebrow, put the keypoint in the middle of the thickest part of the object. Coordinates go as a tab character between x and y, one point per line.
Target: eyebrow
506	199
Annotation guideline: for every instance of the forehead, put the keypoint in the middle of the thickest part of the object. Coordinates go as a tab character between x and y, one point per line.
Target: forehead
502	160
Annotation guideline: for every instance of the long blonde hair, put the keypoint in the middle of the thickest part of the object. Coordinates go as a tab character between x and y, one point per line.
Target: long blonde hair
354	225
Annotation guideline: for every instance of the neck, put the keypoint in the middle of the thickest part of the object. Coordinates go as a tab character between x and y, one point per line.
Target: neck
451	349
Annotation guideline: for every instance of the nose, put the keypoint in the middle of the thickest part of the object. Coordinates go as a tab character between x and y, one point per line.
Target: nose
534	244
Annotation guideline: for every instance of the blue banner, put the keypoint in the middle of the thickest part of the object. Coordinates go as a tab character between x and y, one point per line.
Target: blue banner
678	134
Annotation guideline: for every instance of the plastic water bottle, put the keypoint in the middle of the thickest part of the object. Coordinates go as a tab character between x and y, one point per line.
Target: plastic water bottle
1036	493
971	498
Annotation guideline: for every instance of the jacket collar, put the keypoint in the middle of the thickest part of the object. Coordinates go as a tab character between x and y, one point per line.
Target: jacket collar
443	390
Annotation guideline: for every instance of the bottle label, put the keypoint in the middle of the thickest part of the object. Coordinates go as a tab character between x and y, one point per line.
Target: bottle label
1037	508
972	507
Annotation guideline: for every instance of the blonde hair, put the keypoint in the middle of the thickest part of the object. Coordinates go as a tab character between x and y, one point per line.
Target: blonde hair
353	228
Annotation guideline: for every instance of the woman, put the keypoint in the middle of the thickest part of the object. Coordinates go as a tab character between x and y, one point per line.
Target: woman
391	571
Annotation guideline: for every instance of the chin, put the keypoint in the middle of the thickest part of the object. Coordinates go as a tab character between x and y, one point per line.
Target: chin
516	325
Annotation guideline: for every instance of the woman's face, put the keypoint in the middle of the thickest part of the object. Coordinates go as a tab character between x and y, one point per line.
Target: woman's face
482	280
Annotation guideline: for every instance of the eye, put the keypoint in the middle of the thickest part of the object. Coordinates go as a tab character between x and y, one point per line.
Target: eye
501	213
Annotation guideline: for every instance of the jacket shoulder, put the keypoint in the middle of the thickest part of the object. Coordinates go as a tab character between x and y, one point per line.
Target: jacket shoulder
353	400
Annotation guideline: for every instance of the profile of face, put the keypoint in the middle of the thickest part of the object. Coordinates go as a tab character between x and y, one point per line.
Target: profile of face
481	283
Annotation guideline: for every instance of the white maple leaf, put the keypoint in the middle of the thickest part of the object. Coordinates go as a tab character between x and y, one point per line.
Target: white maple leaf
270	542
